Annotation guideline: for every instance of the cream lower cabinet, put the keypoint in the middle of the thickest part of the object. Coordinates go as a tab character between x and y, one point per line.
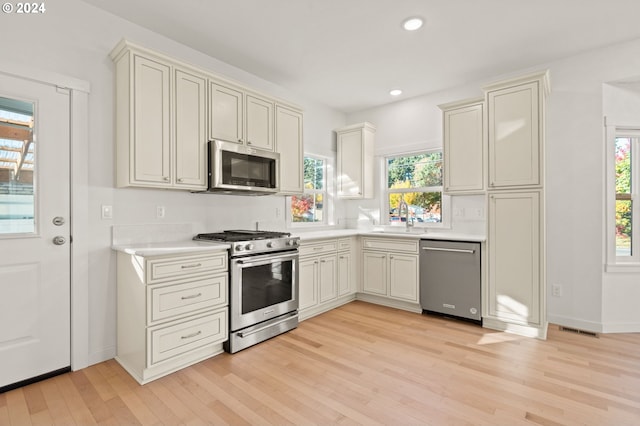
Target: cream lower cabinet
172	311
326	275
515	291
390	271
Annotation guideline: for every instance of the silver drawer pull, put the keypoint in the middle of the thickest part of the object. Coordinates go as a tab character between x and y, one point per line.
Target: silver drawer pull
449	250
193	296
189	336
193	265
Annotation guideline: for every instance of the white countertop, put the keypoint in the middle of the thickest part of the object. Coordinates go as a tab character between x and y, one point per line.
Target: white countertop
390	233
170	248
191	246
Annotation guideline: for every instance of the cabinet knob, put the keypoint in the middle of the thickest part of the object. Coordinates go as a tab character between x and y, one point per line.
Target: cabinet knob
180	180
248	142
240	140
165	178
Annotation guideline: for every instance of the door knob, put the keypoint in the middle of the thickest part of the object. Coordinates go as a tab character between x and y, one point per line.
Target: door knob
59	240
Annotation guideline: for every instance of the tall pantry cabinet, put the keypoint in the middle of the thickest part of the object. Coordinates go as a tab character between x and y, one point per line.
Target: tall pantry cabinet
515	299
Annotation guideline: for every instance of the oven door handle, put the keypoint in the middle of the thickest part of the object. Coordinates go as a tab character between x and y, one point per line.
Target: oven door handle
263	260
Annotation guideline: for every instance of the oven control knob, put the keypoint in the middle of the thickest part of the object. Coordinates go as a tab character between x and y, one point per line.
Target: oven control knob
270	244
249	246
292	242
239	247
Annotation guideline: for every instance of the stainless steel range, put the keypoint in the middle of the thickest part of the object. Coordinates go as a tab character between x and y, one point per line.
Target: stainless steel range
263	281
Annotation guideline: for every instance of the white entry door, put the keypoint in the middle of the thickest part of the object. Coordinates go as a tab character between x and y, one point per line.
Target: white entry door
35	336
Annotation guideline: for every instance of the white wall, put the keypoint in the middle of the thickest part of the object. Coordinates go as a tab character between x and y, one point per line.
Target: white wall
74	39
592	299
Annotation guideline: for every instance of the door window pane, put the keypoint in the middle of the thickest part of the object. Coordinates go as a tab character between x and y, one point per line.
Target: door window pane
17	167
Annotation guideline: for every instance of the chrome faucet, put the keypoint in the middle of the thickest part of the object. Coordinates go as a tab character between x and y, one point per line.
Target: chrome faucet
403	203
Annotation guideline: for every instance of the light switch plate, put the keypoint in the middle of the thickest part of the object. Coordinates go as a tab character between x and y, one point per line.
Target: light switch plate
107	212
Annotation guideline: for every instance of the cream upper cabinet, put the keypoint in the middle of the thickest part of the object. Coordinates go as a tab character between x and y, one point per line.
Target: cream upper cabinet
226	113
241	117
464	146
259	120
355	167
146	142
190	130
160	121
290	146
516	131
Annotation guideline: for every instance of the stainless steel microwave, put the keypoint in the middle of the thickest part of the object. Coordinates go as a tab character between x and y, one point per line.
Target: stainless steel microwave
242	170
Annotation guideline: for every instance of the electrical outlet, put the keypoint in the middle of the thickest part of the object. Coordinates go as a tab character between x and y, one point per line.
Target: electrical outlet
159	212
556	290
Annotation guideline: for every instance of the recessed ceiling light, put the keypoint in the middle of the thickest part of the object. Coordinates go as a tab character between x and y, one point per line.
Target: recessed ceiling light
395	92
412	24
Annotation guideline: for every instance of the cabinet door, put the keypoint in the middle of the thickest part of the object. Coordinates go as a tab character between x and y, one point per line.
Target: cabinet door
345	269
403	277
289	145
374	273
327	278
190	130
514	257
259	121
514	136
350	173
464	156
308	285
152	138
226	108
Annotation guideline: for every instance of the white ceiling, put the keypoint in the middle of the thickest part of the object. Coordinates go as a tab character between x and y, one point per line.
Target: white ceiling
348	54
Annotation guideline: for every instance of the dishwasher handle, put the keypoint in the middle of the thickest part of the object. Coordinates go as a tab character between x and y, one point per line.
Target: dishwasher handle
452	250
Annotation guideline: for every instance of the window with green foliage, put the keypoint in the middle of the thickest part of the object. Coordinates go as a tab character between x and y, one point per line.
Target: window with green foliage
310	206
416	178
624	152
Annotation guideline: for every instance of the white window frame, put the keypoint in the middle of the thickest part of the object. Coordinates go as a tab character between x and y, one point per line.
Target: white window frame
328	194
445	206
616	263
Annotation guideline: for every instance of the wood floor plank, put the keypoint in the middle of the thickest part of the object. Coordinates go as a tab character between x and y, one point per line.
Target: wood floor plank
363	364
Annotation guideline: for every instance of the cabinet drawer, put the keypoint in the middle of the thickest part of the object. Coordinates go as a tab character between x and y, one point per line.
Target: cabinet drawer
159	270
180	299
171	341
344	243
318	248
391	244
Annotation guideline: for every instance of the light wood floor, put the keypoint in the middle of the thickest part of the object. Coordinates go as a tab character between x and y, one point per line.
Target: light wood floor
363	364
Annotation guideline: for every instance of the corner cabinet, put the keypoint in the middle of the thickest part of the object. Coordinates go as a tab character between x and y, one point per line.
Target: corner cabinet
390	272
326	275
160	121
171	311
355	144
464	145
516	286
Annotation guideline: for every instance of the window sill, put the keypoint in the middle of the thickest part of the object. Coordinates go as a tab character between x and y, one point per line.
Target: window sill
622	267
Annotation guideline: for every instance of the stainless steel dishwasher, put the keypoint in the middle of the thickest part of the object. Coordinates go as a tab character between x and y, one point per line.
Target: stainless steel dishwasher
450	278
